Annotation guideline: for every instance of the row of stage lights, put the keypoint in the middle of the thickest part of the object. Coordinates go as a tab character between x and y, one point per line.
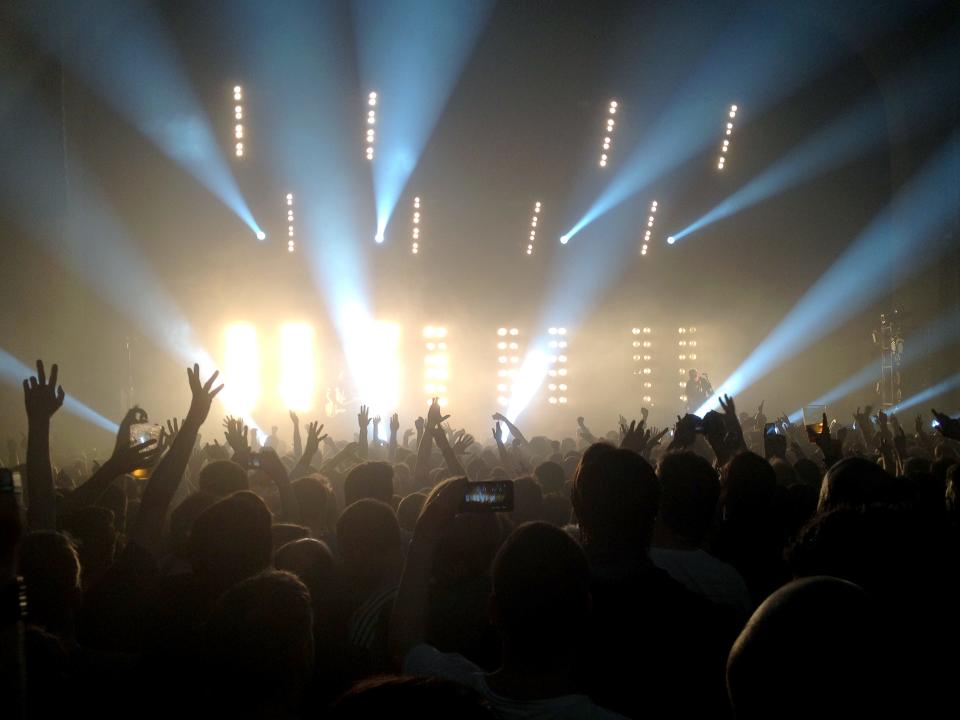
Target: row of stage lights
608	133
533	227
238	121
728	131
642	345
436	364
415	242
291	244
371	121
687	346
557	372
649	230
508	361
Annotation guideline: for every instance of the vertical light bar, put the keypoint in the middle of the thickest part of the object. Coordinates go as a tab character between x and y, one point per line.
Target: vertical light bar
297	367
642	346
508	363
687	355
291	242
648	230
557	371
385	374
371	134
609	125
415	233
436	364
238	130
728	131
534	221
241	369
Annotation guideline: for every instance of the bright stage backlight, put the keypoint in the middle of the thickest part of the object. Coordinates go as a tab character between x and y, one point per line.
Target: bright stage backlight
436	364
261	235
929	395
241	369
298	367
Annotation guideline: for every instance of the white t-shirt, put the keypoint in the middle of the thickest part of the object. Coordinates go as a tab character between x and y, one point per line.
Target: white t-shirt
427	660
705	575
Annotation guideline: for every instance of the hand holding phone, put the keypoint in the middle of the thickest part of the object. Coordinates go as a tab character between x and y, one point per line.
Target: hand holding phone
488	496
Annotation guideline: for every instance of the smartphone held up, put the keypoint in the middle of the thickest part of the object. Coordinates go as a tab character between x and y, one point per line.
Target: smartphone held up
488	496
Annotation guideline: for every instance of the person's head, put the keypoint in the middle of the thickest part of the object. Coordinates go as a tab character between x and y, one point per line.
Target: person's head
615	498
114	499
274	430
550	476
424	698
692	374
556	509
223	477
93	531
231	540
814	646
477	469
402	477
784	472
50	567
467	547
690	489
369	541
409	510
259	642
184	516
317	503
312	562
748	489
283	533
541	594
854	481
807	472
369	480
527	500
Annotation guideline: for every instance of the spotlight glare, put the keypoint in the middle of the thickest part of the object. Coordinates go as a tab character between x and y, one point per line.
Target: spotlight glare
261	235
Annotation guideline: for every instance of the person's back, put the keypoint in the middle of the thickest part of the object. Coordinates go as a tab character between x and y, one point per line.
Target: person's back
655	648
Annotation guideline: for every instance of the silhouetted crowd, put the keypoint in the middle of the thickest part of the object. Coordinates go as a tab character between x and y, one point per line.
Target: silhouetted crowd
732	566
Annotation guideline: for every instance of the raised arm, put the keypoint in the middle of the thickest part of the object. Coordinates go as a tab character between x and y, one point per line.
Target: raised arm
271	465
297	441
394	429
514	430
148	527
42	398
314	437
454	466
408	625
123	461
431	424
363	420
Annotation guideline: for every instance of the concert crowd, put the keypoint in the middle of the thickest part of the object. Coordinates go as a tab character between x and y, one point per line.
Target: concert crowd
733	565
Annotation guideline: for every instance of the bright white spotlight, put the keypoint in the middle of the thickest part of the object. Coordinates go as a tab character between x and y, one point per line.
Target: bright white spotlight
261	235
564	239
241	369
297	367
557	365
378	237
436	364
671	240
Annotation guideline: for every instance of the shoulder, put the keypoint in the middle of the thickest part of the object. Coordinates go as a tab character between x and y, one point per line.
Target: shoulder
426	660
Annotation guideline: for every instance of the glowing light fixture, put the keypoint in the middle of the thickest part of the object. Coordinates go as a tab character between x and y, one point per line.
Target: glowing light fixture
297	366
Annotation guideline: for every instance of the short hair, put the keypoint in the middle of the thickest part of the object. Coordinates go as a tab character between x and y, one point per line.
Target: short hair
854	481
283	533
231	539
312	562
527	500
369	480
615	497
551	476
223	477
812	645
541	590
409	510
259	636
690	489
748	488
367	535
92	529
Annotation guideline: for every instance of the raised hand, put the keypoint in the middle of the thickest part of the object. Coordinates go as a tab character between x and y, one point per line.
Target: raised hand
634	436
294	419
203	394
435	416
132	417
644	413
728	407
135	457
169	433
314	437
462	443
947	426
419	424
832	449
236	433
42	397
363	418
498	433
394	425
500	417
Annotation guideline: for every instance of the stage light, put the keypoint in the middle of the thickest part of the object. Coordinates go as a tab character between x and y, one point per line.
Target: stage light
671	240
415	244
870	264
238	147
261	235
241	369
929	395
642	362
378	237
557	363
564	239
608	133
436	363
533	227
291	244
371	120
297	367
